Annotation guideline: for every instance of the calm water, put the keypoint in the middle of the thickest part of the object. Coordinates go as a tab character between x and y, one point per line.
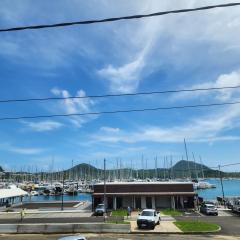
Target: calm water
42	198
230	187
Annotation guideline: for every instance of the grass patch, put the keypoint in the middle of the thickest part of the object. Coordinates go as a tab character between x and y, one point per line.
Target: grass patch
171	212
196	226
117	222
119	213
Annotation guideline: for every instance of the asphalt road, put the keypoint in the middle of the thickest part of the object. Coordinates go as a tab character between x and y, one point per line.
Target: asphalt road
118	237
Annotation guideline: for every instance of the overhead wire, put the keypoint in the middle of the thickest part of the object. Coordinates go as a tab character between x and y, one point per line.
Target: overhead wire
119	111
113	19
119	95
230	164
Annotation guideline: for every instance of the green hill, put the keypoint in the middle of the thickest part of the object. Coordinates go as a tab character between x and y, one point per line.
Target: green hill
182	169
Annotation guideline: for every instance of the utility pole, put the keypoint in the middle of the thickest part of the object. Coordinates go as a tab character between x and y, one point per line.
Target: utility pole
189	172
62	190
72	177
220	175
104	195
164	169
171	165
156	169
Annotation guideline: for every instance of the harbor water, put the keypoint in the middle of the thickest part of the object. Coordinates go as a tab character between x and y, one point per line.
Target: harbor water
42	198
231	188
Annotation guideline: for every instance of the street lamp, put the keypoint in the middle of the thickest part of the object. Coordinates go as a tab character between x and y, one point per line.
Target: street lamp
104	195
62	190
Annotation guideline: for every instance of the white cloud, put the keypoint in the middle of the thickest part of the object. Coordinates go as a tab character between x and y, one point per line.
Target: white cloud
125	78
210	128
110	129
232	79
224	80
74	105
21	150
26	151
43	125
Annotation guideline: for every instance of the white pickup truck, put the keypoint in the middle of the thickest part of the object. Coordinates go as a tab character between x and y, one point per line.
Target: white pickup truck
148	218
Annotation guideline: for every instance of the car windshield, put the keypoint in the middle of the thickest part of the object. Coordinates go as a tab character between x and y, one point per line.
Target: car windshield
147	213
100	206
210	206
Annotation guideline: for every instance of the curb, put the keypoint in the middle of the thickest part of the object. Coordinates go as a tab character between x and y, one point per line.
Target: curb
182	233
178	233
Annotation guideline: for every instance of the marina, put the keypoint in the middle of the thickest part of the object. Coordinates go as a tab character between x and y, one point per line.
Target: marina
230	187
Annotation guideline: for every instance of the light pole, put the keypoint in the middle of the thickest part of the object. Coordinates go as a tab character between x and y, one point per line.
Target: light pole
104	194
220	175
62	190
186	151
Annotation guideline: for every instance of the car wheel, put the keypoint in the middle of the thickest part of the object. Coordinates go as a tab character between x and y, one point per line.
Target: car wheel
152	227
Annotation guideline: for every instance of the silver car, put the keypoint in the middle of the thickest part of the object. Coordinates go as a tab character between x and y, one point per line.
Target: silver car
100	210
209	209
73	238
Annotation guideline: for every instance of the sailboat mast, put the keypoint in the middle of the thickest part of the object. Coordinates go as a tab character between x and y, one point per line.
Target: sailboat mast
187	158
195	168
201	167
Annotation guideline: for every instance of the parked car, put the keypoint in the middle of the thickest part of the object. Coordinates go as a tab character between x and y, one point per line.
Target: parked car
236	206
73	238
99	210
209	209
148	218
229	204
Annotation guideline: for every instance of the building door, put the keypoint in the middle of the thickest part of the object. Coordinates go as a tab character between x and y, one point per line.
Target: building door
110	202
119	202
138	203
149	202
97	200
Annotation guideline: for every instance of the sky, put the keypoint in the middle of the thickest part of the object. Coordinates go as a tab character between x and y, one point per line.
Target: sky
183	51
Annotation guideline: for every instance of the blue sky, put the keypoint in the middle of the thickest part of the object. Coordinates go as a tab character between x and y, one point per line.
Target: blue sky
191	50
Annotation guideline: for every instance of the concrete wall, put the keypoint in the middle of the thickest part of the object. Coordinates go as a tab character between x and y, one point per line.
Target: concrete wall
65	228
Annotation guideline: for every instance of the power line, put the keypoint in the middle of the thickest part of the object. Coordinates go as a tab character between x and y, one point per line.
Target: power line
64	24
231	164
118	95
119	111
